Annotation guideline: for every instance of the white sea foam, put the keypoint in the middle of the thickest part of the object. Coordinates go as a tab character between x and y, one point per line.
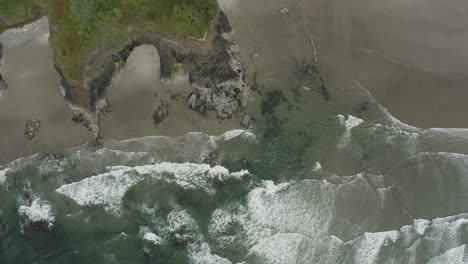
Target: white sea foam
279	249
181	225
190	175
227	218
317	166
108	189
452	256
457	132
291	207
201	254
38	211
153	238
395	122
369	246
307	207
231	134
105	189
3	175
420	225
19	36
349	123
439	241
312	207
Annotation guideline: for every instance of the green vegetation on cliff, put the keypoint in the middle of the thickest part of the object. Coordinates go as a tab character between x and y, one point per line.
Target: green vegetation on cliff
84	31
16	12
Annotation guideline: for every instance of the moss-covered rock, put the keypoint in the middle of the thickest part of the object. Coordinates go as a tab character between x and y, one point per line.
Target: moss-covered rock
79	28
92	39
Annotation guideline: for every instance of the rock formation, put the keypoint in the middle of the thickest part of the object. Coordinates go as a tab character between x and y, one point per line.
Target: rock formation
3	85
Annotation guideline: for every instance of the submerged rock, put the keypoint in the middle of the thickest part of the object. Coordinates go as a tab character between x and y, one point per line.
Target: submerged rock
32	127
308	77
247	121
37	216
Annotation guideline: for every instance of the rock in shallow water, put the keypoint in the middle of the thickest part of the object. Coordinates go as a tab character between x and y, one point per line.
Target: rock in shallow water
247	121
32	127
161	114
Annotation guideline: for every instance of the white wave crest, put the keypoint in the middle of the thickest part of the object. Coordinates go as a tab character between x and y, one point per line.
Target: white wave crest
38	211
349	123
279	249
231	134
3	175
19	36
105	189
108	189
153	238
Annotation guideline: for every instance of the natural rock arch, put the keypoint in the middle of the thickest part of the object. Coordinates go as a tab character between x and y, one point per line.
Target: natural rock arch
217	79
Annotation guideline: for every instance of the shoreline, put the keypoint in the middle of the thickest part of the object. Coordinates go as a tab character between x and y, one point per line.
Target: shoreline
45	102
222	90
270	62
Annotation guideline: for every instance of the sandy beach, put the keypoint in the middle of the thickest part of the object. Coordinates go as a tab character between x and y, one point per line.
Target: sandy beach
412	64
410	55
136	93
34	93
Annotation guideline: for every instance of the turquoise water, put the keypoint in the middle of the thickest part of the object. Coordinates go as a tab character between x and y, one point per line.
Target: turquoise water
323	178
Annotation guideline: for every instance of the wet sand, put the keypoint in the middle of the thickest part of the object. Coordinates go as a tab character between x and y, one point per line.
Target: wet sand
136	93
33	93
410	56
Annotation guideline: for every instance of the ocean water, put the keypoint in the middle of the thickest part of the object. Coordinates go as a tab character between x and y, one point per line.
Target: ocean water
314	182
327	174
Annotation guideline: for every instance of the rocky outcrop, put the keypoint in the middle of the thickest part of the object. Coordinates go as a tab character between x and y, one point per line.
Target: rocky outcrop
3	85
216	77
218	80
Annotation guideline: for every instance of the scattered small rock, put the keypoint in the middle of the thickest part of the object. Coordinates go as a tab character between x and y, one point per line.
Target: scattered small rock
211	158
105	109
254	56
284	11
247	121
32	127
174	96
161	114
78	118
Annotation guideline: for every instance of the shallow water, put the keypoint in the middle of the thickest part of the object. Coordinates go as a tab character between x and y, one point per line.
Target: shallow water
328	174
